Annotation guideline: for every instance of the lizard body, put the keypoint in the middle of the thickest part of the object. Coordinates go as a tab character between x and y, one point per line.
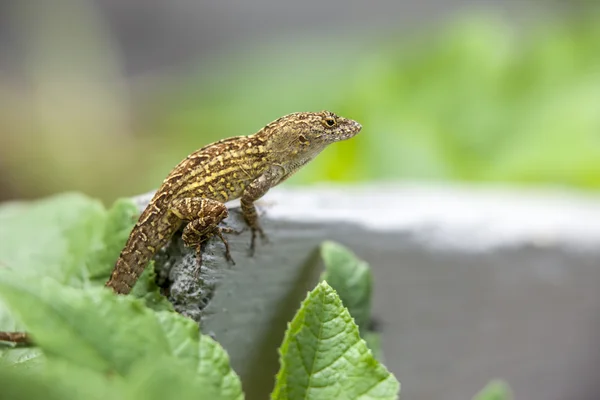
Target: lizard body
245	167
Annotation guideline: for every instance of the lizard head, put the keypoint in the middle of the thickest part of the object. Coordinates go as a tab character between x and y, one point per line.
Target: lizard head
311	130
295	139
325	127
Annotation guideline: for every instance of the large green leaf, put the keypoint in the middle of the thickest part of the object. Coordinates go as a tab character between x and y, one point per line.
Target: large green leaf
323	356
160	378
100	331
207	357
51	237
119	220
69	237
351	278
147	290
169	378
60	381
72	239
94	329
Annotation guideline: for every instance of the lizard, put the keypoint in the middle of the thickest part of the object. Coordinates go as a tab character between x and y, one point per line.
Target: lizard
194	194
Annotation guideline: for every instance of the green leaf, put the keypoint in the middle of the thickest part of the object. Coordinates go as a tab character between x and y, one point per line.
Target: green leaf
147	290
351	278
208	359
323	356
51	237
495	390
22	357
169	378
373	341
120	219
100	331
160	378
72	239
7	322
16	385
29	358
94	329
60	381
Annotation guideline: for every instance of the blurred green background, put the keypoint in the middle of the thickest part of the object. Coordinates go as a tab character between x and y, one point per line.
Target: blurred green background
105	98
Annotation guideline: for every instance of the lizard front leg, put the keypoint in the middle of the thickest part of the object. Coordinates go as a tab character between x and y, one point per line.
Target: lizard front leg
254	191
202	217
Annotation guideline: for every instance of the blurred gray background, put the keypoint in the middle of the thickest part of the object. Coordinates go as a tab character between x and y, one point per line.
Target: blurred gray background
153	37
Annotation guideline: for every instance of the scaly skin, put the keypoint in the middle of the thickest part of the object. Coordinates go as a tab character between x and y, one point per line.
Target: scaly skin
245	167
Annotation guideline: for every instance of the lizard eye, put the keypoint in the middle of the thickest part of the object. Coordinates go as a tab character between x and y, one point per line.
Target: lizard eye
330	121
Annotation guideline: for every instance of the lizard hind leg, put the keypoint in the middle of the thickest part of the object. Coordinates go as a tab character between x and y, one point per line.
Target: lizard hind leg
196	233
203	216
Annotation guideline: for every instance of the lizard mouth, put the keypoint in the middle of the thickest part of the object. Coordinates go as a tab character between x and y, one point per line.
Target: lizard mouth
350	130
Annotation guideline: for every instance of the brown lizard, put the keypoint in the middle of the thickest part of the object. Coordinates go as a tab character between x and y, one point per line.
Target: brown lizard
245	167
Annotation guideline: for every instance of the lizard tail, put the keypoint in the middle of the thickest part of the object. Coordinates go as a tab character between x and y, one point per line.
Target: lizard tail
131	264
123	277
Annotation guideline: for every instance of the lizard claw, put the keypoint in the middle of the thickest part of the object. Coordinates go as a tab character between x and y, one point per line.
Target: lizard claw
198	262
229	230
219	232
263	237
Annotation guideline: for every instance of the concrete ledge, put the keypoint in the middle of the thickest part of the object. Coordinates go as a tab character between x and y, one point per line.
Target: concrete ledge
470	284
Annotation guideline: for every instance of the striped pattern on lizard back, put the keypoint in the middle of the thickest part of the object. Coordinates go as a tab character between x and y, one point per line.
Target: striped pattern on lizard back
220	171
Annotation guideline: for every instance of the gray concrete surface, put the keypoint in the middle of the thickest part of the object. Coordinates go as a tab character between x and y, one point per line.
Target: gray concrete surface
471	284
